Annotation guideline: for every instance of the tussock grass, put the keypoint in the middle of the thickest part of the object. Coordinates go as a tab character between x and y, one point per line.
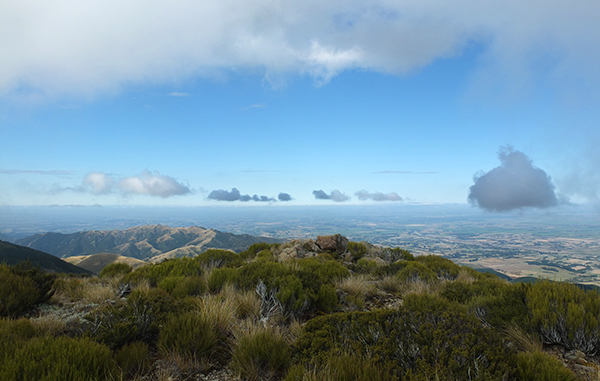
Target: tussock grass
466	275
357	285
390	283
420	287
522	340
50	324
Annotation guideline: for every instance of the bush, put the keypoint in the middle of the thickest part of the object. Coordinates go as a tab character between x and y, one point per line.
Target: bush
390	269
14	333
133	359
182	286
542	367
219	258
172	267
115	269
347	367
255	248
137	319
415	271
22	287
261	355
428	336
188	335
364	266
219	277
357	250
564	314
62	358
442	267
395	254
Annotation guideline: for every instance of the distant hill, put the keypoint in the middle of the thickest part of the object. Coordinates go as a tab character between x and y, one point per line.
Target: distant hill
143	242
96	262
12	254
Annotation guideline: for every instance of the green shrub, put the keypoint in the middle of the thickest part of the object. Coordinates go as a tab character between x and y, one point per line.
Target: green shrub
115	269
62	358
396	254
347	367
364	266
136	319
415	271
539	366
428	336
133	359
255	248
219	277
564	314
328	271
188	335
442	267
357	250
13	333
219	258
265	255
22	287
182	286
172	267
390	269
261	355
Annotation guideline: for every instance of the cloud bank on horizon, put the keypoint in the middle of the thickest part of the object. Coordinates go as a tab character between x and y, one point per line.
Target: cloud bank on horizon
515	184
235	195
68	47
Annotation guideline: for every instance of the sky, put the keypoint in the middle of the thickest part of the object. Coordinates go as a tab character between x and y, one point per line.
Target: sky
242	103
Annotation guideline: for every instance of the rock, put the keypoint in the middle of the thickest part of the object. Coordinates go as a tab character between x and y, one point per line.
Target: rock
585	372
336	242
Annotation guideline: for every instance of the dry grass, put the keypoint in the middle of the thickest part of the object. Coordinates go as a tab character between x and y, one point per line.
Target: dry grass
247	303
50	324
391	284
464	275
83	290
522	340
421	287
219	310
358	286
142	285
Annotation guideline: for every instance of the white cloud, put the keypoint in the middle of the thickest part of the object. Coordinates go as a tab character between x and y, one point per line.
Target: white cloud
146	183
86	48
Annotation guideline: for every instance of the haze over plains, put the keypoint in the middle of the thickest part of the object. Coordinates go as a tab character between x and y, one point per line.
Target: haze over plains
300	103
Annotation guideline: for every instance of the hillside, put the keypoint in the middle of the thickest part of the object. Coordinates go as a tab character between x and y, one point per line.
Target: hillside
143	242
96	262
11	254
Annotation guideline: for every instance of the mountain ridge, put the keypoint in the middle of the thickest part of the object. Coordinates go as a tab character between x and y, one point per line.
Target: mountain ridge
142	242
12	254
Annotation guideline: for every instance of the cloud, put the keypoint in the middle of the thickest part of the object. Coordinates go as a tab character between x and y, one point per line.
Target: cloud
284	197
515	184
377	196
335	195
235	195
177	94
112	44
146	183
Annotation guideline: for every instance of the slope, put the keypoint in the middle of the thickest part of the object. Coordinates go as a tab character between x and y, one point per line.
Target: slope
12	254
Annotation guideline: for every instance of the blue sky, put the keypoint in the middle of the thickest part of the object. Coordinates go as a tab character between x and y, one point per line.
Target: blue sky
178	104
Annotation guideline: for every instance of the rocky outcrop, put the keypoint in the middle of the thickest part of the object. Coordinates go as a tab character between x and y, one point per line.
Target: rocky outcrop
336	243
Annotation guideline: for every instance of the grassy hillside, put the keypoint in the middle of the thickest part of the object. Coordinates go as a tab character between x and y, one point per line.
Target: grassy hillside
96	262
142	242
12	254
302	311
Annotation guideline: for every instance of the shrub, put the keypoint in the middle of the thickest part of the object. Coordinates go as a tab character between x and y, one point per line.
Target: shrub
564	314
261	355
255	248
390	269
23	286
415	271
13	333
395	254
427	336
357	250
133	359
542	367
172	267
115	269
219	258
137	319
442	267
62	358
182	286
347	367
220	277
328	271
364	266
188	335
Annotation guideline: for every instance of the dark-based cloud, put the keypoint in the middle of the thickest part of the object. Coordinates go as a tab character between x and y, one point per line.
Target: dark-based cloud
335	195
284	197
515	184
378	196
235	195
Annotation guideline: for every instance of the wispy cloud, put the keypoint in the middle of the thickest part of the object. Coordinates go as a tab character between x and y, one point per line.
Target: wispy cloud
59	173
404	173
378	196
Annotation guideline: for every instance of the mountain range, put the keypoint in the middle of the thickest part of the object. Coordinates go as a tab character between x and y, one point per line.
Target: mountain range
151	243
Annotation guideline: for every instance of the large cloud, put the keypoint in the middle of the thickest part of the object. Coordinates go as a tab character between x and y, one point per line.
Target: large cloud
377	196
235	195
146	183
335	195
515	184
83	47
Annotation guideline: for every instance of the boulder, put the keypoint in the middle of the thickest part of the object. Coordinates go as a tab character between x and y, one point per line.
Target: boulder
336	242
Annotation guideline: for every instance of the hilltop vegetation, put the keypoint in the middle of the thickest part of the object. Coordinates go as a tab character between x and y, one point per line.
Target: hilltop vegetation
327	309
11	254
